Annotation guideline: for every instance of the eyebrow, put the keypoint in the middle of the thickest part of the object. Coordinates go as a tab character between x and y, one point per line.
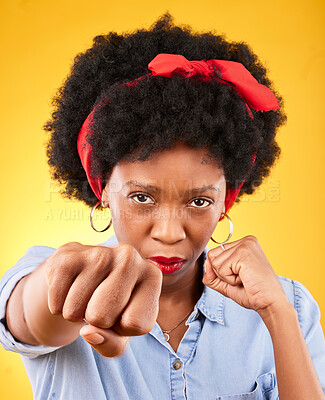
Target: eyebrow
156	189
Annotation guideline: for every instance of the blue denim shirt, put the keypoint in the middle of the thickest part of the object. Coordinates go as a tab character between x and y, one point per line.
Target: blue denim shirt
226	353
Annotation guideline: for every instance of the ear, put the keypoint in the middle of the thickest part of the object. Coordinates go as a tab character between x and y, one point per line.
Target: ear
105	203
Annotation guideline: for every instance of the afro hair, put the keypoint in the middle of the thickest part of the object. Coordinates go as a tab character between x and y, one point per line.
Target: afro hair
141	120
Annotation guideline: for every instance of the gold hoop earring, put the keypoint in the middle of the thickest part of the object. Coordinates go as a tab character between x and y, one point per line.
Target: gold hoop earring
91	218
230	232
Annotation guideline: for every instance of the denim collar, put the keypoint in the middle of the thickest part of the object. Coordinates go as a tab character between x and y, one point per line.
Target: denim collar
211	303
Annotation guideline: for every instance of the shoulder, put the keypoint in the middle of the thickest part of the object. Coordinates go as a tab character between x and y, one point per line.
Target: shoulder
33	256
296	292
303	301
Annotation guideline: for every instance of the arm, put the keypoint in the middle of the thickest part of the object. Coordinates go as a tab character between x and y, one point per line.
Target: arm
87	282
296	375
28	317
243	273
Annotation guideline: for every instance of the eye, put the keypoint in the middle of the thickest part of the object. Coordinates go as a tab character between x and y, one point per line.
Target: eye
199	202
141	198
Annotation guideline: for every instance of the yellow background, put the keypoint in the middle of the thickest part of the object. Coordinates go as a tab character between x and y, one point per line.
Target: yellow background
39	40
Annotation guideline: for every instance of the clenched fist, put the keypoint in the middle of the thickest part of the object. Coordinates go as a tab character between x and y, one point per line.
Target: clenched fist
115	290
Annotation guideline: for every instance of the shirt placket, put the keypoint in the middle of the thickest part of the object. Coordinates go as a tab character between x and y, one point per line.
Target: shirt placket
185	351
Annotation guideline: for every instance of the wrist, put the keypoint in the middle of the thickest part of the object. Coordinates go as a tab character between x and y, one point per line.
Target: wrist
277	313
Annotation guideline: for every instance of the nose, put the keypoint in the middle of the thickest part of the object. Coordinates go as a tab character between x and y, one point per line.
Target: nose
168	228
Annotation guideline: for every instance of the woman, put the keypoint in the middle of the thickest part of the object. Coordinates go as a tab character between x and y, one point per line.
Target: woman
152	313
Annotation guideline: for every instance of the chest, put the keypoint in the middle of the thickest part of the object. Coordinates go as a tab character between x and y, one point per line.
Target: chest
213	361
176	336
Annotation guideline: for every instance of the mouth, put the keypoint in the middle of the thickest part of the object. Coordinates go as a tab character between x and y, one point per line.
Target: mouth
168	265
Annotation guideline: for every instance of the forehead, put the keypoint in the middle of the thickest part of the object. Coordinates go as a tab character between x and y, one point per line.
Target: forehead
180	166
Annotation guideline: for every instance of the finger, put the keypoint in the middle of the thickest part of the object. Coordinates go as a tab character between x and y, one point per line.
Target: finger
222	267
80	293
59	285
212	280
110	297
216	251
226	271
105	341
140	314
228	246
62	269
209	274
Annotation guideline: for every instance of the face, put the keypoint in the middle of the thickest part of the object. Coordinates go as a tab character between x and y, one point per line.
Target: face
167	206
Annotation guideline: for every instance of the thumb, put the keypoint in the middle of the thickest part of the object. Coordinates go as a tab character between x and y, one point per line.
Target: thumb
211	279
105	341
209	275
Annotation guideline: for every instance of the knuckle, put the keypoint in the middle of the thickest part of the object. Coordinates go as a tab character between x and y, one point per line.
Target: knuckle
93	319
72	315
72	244
62	264
154	274
247	244
98	319
100	255
135	324
251	238
213	253
125	253
65	269
101	262
124	256
126	247
213	260
96	254
68	246
53	265
63	247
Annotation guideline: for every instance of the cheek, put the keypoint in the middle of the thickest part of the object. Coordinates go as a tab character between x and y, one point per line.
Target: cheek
203	228
128	221
204	225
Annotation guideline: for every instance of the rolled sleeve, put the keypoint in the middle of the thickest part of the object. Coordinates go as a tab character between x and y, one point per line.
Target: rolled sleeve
309	319
33	257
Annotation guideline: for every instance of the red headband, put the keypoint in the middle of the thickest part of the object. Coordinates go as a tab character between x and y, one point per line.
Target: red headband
254	94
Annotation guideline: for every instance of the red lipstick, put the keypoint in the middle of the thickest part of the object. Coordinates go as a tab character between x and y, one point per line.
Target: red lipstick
167	260
168	265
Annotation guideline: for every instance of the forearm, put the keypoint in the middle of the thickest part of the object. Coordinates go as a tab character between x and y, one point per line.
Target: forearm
29	318
296	375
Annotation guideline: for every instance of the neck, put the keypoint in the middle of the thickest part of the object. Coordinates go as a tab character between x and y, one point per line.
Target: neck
184	292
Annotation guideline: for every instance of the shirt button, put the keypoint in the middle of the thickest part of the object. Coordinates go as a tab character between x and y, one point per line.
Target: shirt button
177	365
